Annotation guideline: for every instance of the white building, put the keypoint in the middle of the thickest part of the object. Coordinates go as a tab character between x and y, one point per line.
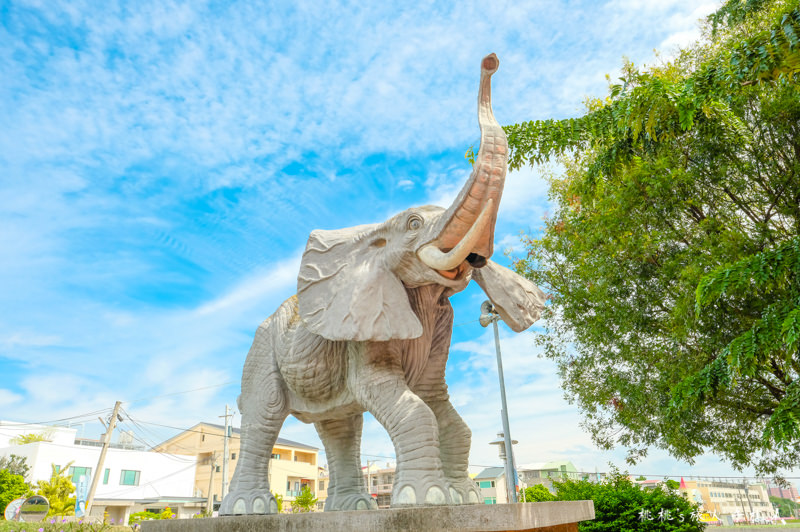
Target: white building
132	479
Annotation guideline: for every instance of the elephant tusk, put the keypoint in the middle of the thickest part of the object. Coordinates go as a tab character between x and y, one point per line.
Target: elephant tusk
437	259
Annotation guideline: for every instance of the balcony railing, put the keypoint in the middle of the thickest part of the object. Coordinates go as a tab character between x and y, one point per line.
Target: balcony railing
293	493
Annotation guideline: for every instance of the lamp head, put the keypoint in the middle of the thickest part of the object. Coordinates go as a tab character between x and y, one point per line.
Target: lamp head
488	315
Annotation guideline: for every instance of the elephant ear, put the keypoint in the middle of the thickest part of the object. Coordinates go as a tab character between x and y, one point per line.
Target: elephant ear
346	291
518	301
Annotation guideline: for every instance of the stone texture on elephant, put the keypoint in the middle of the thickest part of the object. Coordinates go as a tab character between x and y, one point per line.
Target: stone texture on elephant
369	330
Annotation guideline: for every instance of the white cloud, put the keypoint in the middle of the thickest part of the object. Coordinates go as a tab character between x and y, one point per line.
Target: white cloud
405	184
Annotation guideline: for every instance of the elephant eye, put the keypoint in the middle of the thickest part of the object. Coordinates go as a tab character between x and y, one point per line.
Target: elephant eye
414	222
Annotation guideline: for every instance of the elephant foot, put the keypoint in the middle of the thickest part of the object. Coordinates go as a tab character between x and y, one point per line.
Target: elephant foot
425	493
354	501
464	491
249	502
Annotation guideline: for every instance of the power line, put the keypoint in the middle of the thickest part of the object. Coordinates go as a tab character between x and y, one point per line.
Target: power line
181	393
55	421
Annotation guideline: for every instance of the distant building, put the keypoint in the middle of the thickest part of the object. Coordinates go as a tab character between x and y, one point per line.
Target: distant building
492	484
293	465
378	480
784	492
132	479
731	502
648	484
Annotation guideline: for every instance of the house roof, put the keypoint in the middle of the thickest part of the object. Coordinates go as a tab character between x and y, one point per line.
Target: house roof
491	472
280	441
538	466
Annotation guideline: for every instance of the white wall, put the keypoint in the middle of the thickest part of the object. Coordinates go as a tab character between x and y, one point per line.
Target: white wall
161	475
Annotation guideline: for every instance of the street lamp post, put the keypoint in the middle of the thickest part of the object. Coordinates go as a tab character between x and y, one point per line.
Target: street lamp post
489	315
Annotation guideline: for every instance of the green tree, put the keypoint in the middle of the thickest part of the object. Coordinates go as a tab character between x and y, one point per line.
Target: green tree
16	465
305	502
59	490
278	501
619	504
672	258
672	484
537	493
11	487
786	507
32	437
138	517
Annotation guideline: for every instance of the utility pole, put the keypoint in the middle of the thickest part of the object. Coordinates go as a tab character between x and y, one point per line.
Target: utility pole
106	441
210	504
747	494
369	479
489	315
225	454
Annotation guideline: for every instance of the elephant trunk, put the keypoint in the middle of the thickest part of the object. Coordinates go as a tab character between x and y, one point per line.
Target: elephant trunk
466	229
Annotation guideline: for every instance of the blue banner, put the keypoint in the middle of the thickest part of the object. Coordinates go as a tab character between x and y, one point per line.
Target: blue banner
81	492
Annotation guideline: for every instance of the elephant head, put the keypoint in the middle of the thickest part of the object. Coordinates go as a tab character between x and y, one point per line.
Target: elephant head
352	282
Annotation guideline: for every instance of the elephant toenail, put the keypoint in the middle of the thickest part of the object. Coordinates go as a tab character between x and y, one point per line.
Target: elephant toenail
406	496
435	495
239	507
259	506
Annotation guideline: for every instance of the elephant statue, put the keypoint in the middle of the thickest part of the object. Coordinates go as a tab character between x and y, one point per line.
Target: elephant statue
369	330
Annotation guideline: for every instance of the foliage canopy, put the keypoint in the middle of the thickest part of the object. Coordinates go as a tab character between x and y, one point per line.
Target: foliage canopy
786	507
59	491
304	502
619	504
16	465
673	257
11	487
32	437
537	493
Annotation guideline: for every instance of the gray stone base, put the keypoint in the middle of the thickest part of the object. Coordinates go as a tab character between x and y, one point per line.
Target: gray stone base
538	516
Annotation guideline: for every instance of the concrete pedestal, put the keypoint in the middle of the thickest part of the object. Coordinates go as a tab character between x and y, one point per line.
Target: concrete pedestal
537	516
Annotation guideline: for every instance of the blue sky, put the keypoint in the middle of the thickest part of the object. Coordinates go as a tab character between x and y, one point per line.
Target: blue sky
162	164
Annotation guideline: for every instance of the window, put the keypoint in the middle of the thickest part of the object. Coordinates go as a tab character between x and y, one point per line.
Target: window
105	476
276	456
216	469
202	437
490	500
486	484
295	458
129	478
233	456
77	472
321	485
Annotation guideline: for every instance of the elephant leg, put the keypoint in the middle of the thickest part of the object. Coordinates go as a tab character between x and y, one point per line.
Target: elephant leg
454	434
380	387
263	413
454	445
342	441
